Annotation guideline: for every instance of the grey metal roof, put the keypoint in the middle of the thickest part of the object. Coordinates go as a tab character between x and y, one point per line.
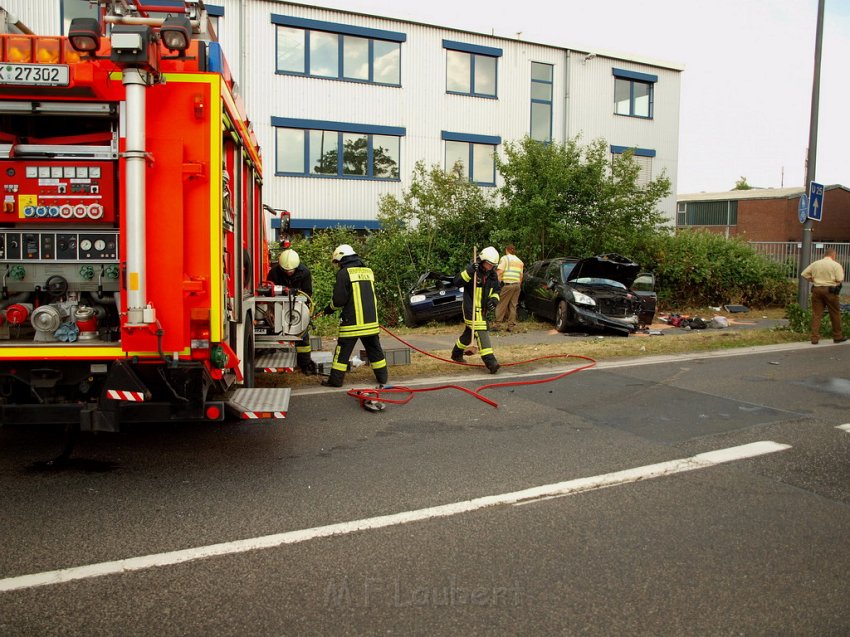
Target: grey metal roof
753	193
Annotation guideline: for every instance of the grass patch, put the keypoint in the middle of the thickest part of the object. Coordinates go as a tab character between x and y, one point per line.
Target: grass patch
672	341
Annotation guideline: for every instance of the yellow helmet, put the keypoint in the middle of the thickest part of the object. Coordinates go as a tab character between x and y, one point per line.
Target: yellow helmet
489	254
288	259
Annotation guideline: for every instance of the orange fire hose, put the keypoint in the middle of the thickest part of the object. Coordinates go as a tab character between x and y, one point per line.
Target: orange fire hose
379	395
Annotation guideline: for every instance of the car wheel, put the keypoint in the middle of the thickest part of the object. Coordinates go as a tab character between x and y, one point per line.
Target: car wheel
562	316
409	319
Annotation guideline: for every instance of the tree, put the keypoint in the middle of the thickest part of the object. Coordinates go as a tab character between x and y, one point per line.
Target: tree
435	225
566	198
742	184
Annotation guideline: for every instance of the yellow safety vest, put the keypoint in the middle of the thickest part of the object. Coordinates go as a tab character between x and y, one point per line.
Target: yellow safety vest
512	272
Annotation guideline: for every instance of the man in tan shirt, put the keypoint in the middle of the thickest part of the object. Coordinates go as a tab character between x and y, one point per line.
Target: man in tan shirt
826	276
509	272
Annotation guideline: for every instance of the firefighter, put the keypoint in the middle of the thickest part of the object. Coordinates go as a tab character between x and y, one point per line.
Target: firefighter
354	294
295	277
481	292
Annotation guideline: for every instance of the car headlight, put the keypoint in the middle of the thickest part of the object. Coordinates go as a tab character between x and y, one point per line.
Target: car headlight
417	298
583	299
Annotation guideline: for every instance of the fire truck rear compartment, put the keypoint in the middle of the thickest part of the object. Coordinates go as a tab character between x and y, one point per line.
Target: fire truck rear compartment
102	396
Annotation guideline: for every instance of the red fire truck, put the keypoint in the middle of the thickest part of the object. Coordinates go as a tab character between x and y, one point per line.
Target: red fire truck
132	231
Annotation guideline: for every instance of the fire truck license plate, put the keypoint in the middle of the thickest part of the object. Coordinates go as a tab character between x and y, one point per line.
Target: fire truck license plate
34	74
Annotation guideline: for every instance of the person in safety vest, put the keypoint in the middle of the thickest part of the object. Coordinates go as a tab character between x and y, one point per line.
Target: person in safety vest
354	294
480	294
295	277
509	272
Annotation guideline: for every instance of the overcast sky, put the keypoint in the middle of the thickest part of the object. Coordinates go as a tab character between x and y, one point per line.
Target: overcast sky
747	84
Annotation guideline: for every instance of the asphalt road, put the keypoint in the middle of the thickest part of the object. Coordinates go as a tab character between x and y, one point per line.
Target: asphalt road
439	517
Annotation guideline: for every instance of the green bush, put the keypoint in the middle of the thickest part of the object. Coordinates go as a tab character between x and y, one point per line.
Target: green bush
695	269
800	320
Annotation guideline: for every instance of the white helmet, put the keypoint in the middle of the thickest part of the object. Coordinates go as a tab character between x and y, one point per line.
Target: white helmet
289	259
489	254
343	250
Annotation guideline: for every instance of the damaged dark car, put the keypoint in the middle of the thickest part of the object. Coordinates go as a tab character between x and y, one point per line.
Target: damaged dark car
434	297
607	292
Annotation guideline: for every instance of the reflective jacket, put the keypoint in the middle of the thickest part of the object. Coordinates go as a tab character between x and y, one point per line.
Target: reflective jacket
301	280
486	289
354	292
511	267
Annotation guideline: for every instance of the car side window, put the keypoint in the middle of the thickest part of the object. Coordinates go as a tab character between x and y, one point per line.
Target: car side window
645	282
553	272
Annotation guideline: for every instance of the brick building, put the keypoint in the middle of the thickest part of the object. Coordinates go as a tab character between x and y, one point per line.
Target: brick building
765	214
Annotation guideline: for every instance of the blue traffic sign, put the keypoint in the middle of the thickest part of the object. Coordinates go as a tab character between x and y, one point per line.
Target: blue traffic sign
815	201
803	209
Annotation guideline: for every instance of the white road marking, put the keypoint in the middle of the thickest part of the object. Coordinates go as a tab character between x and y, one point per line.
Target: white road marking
699	461
844	427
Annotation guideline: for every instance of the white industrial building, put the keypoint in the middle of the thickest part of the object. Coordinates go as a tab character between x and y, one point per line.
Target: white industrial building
344	104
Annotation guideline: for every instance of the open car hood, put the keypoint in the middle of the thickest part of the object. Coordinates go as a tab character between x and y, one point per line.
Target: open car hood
607	266
431	280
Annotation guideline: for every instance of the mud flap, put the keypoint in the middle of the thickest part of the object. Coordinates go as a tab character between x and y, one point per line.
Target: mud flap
122	383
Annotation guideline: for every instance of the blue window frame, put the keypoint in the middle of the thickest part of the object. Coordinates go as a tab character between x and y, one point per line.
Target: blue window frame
634	93
472	69
318	148
337	51
541	102
642	157
475	154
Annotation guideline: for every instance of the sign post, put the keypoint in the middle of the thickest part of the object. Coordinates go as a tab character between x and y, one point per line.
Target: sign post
811	161
803	208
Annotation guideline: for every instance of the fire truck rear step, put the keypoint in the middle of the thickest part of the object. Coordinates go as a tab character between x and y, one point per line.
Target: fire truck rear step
260	403
276	361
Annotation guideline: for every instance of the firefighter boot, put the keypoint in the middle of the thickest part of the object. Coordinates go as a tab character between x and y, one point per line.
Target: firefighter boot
382	376
306	364
491	363
457	354
335	379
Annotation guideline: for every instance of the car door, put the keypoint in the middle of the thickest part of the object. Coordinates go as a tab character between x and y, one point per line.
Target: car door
550	289
644	287
537	292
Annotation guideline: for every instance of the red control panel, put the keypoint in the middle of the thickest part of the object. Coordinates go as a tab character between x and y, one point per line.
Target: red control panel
55	191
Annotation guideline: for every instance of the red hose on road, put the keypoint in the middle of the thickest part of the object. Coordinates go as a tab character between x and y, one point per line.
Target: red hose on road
378	395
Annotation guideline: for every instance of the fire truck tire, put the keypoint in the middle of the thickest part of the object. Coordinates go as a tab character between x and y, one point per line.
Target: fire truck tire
248	355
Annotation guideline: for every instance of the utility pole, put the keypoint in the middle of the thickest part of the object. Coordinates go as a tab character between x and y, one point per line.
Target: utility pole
805	253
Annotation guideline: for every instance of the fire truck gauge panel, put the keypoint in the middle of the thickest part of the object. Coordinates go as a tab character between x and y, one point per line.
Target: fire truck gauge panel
59	247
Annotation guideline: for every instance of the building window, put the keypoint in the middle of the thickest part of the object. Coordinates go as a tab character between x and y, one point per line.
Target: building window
474	154
74	9
707	213
336	149
633	93
541	102
471	69
642	157
338	51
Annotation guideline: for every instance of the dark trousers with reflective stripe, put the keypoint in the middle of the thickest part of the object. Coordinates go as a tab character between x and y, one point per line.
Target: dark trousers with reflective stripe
303	351
374	351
